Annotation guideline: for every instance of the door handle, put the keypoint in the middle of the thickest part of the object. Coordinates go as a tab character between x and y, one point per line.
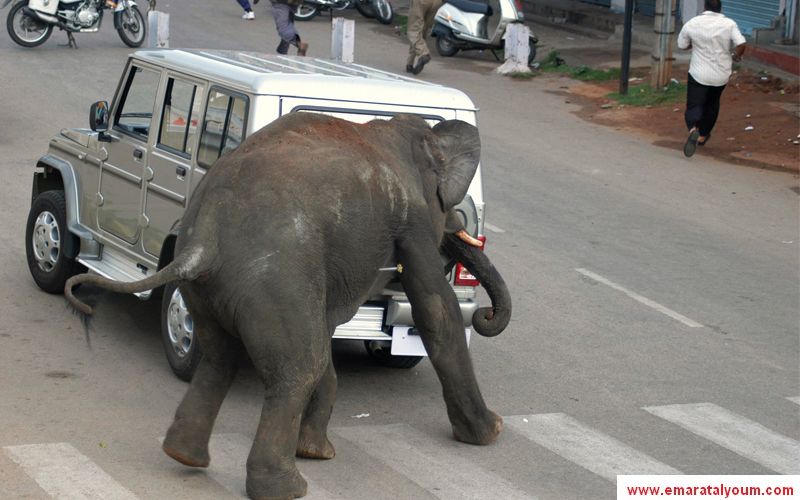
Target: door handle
180	171
137	153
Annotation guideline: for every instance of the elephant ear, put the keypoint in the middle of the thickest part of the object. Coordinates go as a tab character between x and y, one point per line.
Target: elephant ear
453	150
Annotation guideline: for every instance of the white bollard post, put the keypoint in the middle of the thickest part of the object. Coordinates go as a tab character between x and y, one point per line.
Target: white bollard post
343	39
516	50
157	29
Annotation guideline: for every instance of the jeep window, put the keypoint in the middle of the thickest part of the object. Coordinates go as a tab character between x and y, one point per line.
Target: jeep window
138	101
224	125
179	117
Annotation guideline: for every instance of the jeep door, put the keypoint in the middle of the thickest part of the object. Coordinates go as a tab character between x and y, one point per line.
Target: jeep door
168	172
120	192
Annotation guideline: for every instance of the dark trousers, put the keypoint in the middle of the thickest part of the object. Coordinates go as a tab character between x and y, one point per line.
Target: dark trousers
702	106
245	4
284	23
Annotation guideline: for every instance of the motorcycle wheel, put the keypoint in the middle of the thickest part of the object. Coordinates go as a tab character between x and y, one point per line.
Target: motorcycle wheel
305	12
132	27
531	52
25	31
446	46
364	7
383	11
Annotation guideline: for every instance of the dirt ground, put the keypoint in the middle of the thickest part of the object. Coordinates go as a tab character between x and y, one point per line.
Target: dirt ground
766	103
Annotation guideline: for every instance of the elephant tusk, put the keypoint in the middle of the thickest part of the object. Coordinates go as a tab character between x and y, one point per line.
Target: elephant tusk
469	239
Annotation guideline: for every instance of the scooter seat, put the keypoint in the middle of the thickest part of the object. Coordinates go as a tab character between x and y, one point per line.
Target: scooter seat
473	7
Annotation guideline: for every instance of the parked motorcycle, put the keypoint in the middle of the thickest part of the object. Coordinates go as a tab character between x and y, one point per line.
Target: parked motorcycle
30	22
462	25
379	9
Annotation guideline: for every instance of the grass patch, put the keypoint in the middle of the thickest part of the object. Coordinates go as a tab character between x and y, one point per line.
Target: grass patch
554	64
644	95
522	76
401	24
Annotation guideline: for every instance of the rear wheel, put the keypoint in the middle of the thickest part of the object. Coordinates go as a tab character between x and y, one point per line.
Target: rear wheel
24	30
383	11
305	12
446	46
132	28
177	329
365	8
45	238
381	352
532	51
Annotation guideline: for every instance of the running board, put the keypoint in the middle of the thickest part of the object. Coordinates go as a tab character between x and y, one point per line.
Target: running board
367	324
116	267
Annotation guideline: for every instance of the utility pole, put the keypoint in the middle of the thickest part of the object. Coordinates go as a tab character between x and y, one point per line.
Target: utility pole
664	27
625	69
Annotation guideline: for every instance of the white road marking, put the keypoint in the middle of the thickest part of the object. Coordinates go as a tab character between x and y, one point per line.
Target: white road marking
658	307
794	400
591	449
66	474
492	228
736	433
439	469
228	466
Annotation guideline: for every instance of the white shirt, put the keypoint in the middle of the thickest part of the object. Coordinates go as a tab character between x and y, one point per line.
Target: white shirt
710	36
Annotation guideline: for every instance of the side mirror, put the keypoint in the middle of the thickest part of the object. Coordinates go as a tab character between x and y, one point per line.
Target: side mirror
98	117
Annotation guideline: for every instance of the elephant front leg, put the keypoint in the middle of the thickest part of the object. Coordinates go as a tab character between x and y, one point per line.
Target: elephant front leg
313	441
437	316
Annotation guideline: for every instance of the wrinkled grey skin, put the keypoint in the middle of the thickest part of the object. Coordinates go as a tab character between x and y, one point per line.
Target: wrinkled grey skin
282	242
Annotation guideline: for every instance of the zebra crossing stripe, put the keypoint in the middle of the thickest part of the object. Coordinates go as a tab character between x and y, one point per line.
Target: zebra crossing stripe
794	400
436	467
736	433
64	473
228	465
591	449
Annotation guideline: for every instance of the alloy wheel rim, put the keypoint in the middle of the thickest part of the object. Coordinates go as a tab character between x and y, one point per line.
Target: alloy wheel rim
24	26
383	7
179	325
46	241
132	26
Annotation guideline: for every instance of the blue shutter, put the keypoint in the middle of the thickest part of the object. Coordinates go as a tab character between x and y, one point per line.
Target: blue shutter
648	7
750	14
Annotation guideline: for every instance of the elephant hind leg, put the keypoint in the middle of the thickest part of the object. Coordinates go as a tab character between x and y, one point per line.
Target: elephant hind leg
187	438
313	440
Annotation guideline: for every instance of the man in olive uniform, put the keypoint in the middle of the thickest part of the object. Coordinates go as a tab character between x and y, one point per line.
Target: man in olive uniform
283	12
420	22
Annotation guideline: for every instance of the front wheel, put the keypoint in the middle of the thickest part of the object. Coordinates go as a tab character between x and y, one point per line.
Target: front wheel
531	51
132	28
365	8
45	240
383	11
305	12
446	46
24	30
177	329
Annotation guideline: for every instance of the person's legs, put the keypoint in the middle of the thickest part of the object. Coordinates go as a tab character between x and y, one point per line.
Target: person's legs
284	15
710	112
416	26
245	5
696	95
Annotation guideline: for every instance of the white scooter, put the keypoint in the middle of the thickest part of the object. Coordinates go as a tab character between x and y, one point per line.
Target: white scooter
462	25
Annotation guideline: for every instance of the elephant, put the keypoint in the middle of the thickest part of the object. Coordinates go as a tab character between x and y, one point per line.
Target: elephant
283	240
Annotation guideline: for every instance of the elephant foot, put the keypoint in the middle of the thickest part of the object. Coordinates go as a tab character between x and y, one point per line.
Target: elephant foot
272	486
191	452
314	445
480	433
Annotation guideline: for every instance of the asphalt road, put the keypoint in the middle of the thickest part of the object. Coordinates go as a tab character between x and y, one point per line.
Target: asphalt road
656	320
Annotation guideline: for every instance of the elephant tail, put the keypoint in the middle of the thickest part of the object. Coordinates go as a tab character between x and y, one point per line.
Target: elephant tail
187	266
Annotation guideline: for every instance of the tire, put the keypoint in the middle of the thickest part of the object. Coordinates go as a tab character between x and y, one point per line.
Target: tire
45	237
383	11
384	357
365	8
132	28
16	20
446	46
532	51
177	330
305	12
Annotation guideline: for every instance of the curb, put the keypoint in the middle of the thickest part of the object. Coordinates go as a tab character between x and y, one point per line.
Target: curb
784	62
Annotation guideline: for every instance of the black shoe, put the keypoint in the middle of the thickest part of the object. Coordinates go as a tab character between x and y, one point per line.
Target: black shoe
691	143
409	68
704	142
421	64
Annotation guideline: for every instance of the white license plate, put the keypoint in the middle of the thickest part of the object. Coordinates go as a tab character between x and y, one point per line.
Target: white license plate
404	343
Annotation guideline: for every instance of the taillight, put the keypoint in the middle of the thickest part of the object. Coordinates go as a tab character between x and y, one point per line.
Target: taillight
519	5
463	277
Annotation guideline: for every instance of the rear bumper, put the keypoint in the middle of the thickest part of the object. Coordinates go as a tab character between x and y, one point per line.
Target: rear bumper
374	322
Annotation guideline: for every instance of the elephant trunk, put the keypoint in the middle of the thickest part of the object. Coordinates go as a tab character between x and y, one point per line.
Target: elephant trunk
488	321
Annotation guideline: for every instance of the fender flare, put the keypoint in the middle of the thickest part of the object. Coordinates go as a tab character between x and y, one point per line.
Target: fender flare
69	180
440	29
